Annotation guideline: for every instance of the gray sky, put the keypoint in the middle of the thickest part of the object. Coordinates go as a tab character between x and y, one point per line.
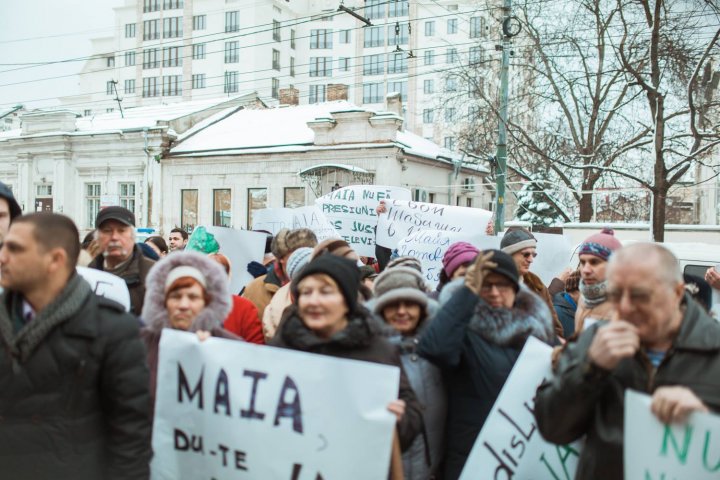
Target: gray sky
67	27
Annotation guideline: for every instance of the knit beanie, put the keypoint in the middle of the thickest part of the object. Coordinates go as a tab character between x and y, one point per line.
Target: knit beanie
335	246
505	267
600	245
407	294
516	239
287	241
343	271
298	259
398	277
405	261
456	255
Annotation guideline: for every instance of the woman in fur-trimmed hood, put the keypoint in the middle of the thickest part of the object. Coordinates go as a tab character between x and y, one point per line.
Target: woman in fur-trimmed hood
476	338
185	291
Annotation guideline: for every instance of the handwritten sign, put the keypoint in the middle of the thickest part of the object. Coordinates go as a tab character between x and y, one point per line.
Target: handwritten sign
653	450
274	219
241	247
107	285
351	210
227	409
554	255
509	444
406	217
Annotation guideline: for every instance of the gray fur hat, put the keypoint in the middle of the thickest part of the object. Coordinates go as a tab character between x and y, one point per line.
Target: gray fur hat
287	241
405	261
516	239
398	277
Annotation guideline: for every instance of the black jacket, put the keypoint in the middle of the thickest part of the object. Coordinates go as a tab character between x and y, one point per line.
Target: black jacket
360	340
74	399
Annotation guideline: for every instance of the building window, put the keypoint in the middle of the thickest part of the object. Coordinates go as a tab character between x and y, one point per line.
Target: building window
275	88
129	59
374	37
129	30
172	27
130	86
127	196
475	27
372	92
320	66
198	81
150	87
256	200
232	21
450	114
373	65
397	62
475	55
171	57
294	197
399	8
109	110
198	51
430	28
398	34
172	4
151	5
231	82
87	113
398	87
222	207
292	39
189	209
151	30
451	55
232	52
344	64
473	112
110	62
345	36
110	87
375	9
151	58
292	66
172	85
321	38
276	59
92	203
199	22
276	30
428	116
452	26
451	84
429	57
428	87
317	93
449	143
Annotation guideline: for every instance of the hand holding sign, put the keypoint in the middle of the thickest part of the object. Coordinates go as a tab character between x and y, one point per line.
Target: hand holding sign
674	404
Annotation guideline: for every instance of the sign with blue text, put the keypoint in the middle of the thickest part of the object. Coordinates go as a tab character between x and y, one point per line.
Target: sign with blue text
227	409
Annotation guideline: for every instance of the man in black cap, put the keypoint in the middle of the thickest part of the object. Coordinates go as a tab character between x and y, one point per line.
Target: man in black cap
119	253
9	209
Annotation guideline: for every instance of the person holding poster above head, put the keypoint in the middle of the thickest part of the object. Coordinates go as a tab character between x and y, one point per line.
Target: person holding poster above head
475	338
186	291
659	342
327	319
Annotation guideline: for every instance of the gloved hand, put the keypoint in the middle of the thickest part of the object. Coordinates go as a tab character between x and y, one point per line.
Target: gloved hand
476	272
256	269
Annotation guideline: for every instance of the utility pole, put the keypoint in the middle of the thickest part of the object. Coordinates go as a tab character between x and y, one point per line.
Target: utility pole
510	28
117	98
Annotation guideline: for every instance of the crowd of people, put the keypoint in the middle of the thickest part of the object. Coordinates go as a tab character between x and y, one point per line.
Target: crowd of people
78	373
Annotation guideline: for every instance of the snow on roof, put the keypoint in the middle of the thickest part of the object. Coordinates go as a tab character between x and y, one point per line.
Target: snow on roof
342	166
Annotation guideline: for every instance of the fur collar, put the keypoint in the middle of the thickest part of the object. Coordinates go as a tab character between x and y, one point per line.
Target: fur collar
212	316
359	333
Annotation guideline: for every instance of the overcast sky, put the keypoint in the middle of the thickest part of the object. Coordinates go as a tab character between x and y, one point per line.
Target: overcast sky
47	30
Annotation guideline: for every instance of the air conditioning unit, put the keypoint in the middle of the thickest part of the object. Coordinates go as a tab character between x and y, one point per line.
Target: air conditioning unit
420	195
468	184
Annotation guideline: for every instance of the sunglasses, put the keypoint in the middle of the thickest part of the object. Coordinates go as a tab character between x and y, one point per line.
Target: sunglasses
527	255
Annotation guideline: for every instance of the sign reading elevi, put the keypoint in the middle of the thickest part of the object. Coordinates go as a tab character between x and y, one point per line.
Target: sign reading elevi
233	410
654	451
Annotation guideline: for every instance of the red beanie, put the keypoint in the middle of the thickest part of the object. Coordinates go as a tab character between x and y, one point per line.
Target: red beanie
600	244
456	255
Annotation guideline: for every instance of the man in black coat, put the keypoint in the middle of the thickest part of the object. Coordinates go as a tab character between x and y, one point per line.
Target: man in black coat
74	386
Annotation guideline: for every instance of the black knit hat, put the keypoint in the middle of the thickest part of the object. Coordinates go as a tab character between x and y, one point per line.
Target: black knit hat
345	272
505	267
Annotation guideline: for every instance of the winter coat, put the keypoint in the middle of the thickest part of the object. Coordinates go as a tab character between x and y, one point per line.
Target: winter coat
591	401
360	340
603	311
534	283
477	346
135	276
261	290
74	399
565	308
274	311
209	319
423	459
243	321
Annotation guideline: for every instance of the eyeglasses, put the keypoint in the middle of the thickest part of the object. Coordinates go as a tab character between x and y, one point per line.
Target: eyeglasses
501	287
638	297
527	255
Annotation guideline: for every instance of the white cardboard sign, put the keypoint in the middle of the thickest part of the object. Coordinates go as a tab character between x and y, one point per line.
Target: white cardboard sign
274	219
241	247
107	285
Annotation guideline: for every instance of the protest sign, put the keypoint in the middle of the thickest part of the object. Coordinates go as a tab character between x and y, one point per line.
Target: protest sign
233	410
351	210
405	217
274	219
107	285
429	246
241	247
509	444
554	256
653	450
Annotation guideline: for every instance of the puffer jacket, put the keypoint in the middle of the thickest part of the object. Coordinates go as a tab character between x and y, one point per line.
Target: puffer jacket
476	346
591	401
74	399
360	340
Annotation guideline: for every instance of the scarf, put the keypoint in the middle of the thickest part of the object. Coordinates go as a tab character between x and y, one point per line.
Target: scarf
594	294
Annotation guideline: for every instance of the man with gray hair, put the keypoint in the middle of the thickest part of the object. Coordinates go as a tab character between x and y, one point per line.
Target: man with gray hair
119	253
659	341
